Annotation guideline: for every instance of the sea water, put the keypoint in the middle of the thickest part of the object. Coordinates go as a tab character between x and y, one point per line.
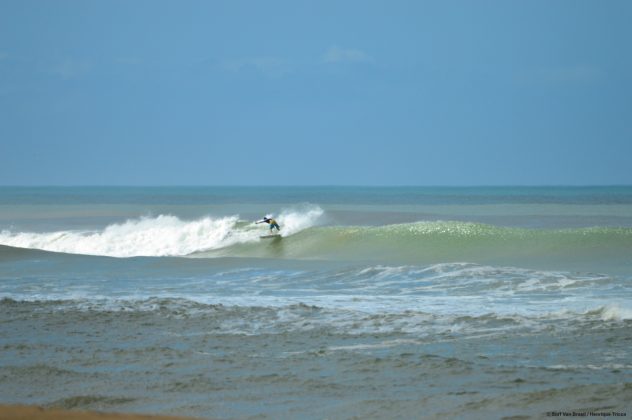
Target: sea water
377	302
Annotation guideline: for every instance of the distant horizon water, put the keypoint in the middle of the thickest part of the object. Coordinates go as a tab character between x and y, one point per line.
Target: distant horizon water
318	185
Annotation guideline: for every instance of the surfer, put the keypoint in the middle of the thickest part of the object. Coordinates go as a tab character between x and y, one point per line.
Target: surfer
273	224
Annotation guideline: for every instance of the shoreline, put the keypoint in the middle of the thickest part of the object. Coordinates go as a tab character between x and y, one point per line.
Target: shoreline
34	412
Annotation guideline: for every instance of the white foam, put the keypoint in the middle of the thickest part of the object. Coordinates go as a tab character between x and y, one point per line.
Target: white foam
295	220
158	236
164	235
614	312
382	345
590	367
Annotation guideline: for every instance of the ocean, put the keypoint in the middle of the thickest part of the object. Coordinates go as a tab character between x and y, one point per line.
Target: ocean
376	302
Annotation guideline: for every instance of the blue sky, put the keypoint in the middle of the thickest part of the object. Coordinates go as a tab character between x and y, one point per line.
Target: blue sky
315	92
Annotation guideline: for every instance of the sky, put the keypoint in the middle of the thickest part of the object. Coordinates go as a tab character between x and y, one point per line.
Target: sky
315	92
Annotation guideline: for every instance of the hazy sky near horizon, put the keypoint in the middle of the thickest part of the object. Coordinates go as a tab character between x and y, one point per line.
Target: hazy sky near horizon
315	92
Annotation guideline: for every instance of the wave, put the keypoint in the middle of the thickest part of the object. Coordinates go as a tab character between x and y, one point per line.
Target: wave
305	238
446	241
298	316
164	235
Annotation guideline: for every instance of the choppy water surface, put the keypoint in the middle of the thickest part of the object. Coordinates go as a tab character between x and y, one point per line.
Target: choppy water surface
379	303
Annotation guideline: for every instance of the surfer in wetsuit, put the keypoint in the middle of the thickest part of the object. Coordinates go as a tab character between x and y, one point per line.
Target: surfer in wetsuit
271	222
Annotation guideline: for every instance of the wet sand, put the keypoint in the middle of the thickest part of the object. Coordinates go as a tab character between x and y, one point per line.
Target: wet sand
21	412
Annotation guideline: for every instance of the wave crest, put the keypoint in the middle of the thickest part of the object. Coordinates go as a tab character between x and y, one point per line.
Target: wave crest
163	235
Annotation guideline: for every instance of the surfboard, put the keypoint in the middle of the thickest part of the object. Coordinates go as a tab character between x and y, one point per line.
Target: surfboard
274	235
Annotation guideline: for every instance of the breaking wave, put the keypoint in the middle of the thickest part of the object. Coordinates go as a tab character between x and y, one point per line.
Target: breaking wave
164	235
304	237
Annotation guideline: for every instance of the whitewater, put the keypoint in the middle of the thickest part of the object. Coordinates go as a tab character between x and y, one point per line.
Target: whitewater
163	235
374	302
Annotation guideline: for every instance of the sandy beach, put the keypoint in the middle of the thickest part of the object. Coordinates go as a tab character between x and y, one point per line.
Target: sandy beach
21	412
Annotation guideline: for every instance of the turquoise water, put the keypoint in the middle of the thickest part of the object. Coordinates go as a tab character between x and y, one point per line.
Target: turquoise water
377	302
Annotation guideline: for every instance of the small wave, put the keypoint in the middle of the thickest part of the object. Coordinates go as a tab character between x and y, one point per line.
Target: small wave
609	366
39	370
354	317
90	402
612	312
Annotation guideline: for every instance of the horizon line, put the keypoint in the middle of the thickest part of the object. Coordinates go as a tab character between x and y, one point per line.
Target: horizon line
310	185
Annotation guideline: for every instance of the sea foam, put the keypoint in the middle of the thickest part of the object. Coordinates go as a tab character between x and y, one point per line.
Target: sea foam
163	235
